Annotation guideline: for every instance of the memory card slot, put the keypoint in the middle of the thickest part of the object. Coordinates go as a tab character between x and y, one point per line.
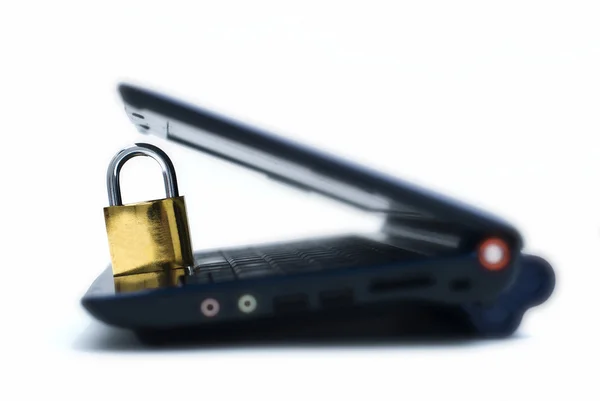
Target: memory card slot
393	284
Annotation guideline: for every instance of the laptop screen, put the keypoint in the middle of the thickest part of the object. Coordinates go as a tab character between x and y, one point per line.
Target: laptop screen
303	167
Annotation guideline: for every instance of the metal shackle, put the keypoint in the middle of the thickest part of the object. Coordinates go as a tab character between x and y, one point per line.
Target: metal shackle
139	149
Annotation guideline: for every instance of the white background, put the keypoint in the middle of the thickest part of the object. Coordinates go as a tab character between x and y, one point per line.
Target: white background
496	103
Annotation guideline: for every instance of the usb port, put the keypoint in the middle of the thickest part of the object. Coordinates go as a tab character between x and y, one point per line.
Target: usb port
290	303
336	298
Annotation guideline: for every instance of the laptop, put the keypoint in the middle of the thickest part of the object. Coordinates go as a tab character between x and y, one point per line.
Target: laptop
431	249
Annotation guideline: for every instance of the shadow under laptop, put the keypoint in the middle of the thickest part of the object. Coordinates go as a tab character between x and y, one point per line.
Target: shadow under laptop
409	325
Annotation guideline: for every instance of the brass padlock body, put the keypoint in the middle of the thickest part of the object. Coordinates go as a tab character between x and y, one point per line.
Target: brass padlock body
147	281
149	237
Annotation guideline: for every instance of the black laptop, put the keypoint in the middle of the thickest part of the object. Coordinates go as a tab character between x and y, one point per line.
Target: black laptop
431	249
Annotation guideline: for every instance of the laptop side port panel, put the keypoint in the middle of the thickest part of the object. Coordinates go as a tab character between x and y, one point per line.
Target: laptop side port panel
455	280
489	262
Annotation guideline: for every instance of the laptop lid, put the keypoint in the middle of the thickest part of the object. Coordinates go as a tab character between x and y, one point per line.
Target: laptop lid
413	213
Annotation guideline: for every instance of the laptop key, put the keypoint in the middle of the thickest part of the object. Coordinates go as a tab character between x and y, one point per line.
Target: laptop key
255	273
220	276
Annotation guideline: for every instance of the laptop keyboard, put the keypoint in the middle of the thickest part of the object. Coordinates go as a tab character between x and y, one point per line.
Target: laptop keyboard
292	258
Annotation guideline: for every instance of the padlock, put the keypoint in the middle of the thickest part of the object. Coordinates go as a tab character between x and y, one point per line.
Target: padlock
149	242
